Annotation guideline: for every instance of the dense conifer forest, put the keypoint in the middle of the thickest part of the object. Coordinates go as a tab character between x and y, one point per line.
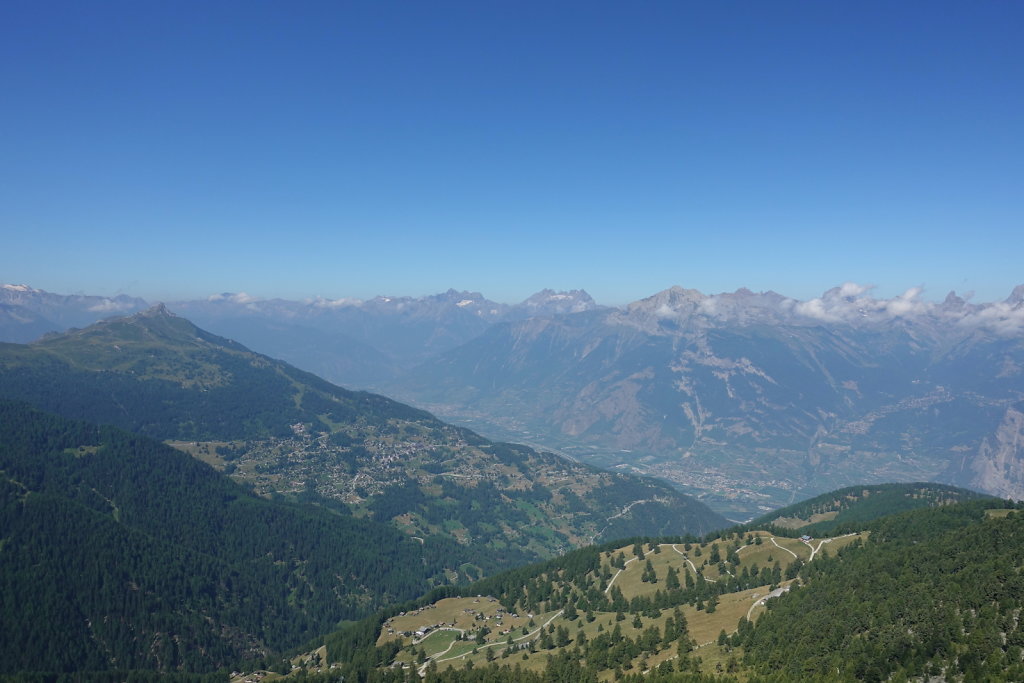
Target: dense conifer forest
936	592
852	507
119	552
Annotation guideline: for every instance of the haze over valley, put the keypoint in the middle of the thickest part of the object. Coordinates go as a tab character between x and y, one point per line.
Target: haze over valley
746	400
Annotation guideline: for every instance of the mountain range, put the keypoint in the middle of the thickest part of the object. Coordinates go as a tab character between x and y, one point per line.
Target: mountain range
288	433
27	313
279	505
754	396
750	400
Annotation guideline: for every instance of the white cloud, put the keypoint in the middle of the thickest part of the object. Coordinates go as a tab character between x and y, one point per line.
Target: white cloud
850	303
907	303
709	306
321	302
111	306
1000	317
815	308
239	298
852	289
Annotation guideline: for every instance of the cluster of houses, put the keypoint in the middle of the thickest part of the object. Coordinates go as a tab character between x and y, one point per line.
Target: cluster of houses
476	614
498	616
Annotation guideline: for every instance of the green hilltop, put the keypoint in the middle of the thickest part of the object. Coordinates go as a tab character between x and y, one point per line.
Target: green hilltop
853	506
929	593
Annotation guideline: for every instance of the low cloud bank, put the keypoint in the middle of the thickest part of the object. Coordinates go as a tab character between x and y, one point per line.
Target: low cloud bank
850	303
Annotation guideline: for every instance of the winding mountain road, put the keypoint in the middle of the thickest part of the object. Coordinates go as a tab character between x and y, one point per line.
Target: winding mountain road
787	549
692	565
612	582
439	656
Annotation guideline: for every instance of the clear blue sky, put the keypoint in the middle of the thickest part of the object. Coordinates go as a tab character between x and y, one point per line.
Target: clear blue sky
177	149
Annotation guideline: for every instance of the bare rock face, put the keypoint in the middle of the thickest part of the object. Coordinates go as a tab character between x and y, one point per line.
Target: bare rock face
998	466
755	396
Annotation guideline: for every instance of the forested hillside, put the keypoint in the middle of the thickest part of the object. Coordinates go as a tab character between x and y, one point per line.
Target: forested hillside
937	593
287	433
852	507
159	375
933	593
117	552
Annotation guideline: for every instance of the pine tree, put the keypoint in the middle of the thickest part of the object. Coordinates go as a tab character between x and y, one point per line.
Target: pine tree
672	580
716	555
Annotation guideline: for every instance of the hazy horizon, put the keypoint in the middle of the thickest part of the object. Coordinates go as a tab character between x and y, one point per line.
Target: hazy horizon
849	291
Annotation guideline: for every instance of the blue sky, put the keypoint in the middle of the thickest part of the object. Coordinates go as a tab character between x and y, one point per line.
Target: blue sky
177	149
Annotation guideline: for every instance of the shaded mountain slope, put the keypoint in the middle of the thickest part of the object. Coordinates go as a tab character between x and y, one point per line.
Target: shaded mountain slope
159	375
117	552
287	432
21	325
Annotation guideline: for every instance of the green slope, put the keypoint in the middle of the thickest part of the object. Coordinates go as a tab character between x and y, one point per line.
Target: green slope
119	552
286	432
157	374
937	593
933	592
853	506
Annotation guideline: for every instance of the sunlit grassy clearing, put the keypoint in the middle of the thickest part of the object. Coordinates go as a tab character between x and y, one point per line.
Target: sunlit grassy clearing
461	612
704	628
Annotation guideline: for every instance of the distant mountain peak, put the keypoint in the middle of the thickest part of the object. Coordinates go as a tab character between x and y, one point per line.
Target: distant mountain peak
548	302
38	311
158	310
677	293
456	294
952	300
577	298
18	288
546	294
1017	296
157	320
670	300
